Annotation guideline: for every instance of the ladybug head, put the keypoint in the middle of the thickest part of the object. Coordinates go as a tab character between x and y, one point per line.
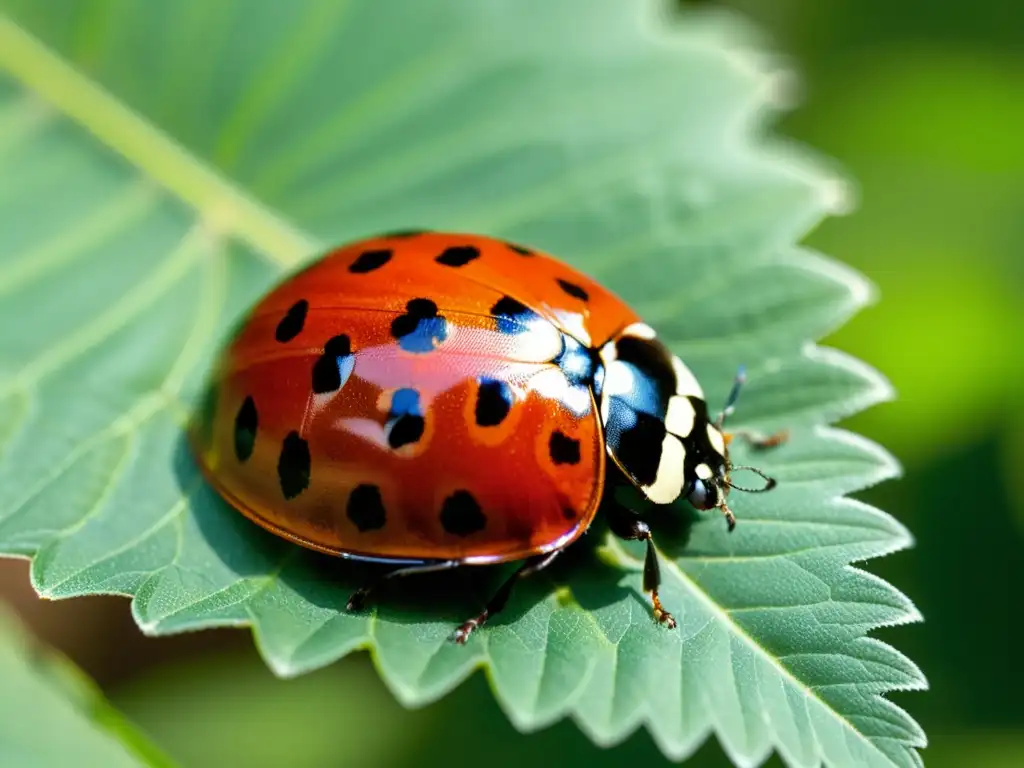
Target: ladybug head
710	488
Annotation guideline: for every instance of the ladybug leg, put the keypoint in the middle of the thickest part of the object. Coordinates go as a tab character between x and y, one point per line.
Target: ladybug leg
756	440
626	525
497	602
358	600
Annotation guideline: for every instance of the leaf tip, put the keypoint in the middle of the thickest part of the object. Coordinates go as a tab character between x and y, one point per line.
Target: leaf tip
838	194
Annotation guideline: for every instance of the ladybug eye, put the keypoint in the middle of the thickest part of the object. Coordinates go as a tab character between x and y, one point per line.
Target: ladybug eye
702	495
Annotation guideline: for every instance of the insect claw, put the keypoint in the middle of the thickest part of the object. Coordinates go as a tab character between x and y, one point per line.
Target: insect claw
461	635
660	614
730	518
357	601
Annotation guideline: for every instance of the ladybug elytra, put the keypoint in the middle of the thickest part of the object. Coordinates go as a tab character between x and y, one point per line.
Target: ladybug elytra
432	400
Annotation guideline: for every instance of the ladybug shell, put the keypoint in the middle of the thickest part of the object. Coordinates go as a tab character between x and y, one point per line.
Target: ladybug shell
416	397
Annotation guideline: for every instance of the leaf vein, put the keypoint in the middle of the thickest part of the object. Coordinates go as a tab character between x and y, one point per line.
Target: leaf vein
217	199
117	316
168	517
742	634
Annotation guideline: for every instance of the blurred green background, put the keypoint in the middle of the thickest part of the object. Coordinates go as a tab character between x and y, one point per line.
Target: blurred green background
923	103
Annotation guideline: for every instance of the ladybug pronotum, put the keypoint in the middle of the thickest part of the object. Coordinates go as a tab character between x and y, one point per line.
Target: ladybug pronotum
433	400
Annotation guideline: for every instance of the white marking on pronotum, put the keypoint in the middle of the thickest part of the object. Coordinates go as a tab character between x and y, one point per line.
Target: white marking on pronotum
716	439
679	416
703	471
639	331
686	382
668	483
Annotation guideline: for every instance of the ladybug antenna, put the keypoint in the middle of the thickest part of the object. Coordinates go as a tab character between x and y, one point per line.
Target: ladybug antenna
734	394
769	482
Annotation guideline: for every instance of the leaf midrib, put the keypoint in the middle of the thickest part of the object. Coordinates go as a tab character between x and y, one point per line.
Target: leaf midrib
724	616
221	205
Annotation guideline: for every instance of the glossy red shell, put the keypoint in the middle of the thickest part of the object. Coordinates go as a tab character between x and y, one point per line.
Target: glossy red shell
320	467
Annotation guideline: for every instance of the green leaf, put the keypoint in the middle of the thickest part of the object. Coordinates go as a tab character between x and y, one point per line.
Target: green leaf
151	191
44	694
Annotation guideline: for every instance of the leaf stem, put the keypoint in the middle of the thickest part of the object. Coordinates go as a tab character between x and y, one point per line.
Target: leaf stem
221	205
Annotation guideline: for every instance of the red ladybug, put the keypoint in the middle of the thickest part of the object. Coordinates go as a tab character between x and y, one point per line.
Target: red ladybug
433	400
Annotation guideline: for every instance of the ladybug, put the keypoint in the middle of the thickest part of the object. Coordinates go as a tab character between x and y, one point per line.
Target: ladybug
434	400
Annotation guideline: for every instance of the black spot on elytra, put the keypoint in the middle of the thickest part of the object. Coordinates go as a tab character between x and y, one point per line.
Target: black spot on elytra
458	255
564	449
573	290
568	513
512	315
420	329
292	322
367	261
405	402
461	514
333	367
421	308
338	346
406	430
246	423
293	465
365	508
506	306
493	402
405	423
521	250
639	447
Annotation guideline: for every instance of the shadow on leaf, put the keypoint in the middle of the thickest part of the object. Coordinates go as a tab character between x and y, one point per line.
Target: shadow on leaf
579	575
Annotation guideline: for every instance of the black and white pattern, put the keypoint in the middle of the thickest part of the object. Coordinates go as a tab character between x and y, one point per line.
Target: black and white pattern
654	415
